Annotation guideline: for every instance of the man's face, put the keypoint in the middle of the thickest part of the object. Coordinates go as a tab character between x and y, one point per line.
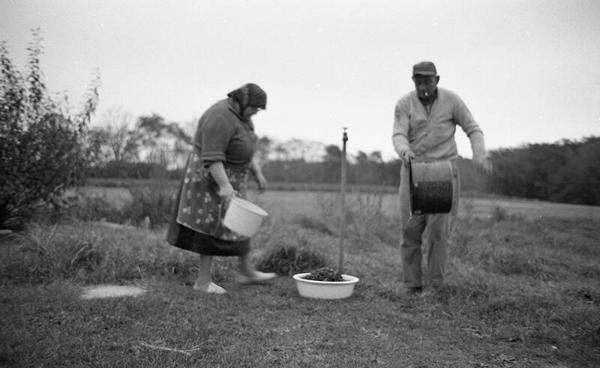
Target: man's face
425	85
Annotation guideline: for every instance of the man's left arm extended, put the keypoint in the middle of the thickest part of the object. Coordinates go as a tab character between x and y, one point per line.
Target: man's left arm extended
464	118
480	156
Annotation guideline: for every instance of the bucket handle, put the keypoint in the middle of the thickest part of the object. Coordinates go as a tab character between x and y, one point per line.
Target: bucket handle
410	186
225	203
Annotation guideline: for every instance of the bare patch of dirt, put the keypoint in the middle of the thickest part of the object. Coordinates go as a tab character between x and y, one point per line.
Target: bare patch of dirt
111	291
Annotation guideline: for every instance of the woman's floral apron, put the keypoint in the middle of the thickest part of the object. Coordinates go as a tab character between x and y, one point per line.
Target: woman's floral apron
200	207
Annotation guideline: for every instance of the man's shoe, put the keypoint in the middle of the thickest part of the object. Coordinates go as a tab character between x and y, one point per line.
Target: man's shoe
414	290
437	287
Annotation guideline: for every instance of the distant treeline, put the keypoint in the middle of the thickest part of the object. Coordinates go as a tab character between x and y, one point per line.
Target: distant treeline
566	171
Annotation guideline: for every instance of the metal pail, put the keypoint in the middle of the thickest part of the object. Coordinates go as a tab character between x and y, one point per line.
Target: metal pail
430	187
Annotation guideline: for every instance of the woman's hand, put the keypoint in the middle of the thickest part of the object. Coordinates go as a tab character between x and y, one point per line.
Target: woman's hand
262	182
258	175
217	170
226	192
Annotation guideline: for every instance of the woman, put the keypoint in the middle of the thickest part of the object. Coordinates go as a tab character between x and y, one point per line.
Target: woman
217	168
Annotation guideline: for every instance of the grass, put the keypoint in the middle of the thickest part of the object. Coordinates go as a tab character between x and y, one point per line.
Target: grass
519	293
312	187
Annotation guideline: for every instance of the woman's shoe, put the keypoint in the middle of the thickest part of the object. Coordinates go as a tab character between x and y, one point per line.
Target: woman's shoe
257	277
212	288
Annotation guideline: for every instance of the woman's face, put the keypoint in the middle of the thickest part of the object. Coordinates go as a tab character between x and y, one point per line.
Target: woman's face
249	111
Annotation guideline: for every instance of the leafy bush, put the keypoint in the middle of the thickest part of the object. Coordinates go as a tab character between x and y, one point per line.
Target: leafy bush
46	253
43	149
367	222
325	274
85	208
149	207
88	253
135	170
155	205
308	222
565	171
289	260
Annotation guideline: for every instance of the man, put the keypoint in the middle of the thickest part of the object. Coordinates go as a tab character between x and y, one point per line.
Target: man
424	127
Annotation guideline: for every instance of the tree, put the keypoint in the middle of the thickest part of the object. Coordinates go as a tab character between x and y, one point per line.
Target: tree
165	144
332	154
578	180
282	152
564	171
119	138
332	164
100	155
43	149
263	149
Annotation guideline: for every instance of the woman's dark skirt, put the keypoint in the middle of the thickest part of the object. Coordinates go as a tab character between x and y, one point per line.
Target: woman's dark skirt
185	238
188	239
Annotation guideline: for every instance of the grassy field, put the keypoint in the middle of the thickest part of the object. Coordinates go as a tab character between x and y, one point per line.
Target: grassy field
285	201
523	290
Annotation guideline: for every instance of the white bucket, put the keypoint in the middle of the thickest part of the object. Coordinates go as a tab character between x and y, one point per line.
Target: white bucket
243	217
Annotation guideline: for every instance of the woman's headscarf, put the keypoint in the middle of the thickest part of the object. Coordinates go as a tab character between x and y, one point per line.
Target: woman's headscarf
249	95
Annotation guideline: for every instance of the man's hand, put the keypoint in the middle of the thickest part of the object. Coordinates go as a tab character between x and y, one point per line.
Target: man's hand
484	163
480	156
406	156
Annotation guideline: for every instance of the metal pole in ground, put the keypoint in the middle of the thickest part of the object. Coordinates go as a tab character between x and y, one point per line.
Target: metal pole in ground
343	204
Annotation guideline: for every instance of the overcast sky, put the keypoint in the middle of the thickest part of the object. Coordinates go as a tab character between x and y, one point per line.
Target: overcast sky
528	70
